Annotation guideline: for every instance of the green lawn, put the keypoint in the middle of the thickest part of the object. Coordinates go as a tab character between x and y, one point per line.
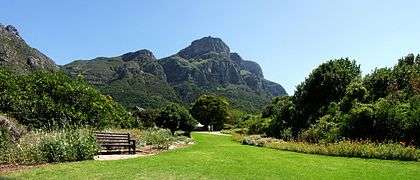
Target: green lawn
217	157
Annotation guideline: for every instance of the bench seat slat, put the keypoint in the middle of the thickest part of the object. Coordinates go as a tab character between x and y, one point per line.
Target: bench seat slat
114	141
119	136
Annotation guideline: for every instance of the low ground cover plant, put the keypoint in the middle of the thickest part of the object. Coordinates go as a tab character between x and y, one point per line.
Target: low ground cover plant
346	148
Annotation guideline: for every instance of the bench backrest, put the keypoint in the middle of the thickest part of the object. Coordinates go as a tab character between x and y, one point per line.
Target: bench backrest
112	138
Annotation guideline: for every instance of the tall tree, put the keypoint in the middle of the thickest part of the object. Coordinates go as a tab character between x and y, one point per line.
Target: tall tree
211	110
175	117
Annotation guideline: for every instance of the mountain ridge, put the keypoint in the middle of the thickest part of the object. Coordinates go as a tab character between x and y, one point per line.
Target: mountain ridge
16	55
138	78
205	66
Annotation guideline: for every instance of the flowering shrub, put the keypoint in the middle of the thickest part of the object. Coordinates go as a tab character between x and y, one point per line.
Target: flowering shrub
363	149
58	146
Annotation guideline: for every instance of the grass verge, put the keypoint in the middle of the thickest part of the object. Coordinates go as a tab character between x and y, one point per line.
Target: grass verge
218	157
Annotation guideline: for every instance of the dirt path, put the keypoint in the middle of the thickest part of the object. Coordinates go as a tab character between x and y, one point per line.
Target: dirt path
213	132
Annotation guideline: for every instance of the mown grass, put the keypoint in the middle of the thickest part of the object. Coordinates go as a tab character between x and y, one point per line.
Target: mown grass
218	157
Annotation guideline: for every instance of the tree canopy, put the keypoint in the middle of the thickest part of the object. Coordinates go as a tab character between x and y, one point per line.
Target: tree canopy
175	117
211	110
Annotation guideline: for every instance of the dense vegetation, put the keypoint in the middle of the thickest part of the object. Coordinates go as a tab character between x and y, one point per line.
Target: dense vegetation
40	147
335	103
52	100
175	117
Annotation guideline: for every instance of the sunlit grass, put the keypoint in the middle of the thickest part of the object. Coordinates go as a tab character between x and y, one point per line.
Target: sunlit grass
218	157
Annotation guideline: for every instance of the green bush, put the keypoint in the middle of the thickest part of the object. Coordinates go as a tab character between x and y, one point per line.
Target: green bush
5	138
59	146
256	124
145	118
70	145
52	100
325	130
158	138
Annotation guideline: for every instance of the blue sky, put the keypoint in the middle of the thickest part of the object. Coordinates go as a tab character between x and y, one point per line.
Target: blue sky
287	38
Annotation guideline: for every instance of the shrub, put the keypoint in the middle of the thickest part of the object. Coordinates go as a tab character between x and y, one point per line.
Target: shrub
256	124
52	100
145	118
58	146
5	138
325	130
363	149
69	145
158	138
283	112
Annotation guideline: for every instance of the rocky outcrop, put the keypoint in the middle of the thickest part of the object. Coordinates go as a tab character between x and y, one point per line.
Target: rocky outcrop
16	55
209	63
206	66
204	46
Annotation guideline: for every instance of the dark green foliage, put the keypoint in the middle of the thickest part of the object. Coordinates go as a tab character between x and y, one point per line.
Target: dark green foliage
53	100
325	130
145	118
282	111
211	110
335	103
256	124
325	84
378	83
175	117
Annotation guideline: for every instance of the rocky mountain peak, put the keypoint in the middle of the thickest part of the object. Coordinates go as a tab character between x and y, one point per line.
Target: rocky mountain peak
17	55
205	46
140	55
10	29
235	57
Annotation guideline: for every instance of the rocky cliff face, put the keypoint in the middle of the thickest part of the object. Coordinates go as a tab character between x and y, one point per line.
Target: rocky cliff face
18	56
209	63
206	66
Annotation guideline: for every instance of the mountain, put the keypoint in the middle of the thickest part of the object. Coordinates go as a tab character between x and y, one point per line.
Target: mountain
133	79
139	79
16	55
206	66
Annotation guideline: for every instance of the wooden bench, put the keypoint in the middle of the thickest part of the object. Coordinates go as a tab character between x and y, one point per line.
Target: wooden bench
115	142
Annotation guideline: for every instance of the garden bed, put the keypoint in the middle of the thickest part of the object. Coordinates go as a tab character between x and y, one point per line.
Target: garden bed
362	149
